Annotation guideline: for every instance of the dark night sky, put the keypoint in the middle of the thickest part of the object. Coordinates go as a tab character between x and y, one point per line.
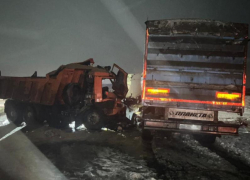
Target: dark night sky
42	35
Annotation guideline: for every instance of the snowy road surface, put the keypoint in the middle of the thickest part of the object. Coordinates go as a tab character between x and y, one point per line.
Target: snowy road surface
2	103
44	152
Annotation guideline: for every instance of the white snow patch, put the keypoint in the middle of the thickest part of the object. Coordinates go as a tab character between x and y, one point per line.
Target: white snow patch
237	146
4	121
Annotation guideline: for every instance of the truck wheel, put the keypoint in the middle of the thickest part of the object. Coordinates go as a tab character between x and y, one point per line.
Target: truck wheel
93	119
205	138
29	114
13	112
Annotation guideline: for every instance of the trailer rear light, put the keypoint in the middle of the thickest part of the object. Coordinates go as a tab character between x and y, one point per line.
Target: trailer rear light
227	129
157	91
243	97
190	127
225	95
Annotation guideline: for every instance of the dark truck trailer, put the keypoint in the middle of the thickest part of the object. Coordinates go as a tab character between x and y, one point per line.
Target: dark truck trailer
73	92
193	69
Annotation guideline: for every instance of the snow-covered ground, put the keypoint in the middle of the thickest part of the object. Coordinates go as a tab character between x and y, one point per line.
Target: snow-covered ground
228	158
123	155
81	160
237	146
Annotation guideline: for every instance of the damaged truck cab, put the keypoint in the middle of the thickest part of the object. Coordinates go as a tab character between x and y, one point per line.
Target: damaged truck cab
192	70
73	92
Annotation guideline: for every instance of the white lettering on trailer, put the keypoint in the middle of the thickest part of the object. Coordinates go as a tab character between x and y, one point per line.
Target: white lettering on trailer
190	114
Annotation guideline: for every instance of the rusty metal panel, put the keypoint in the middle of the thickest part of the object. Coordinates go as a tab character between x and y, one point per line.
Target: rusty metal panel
65	77
76	76
39	92
194	59
46	96
33	91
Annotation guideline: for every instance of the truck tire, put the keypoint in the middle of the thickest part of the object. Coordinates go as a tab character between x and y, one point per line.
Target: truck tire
205	138
29	115
13	112
92	119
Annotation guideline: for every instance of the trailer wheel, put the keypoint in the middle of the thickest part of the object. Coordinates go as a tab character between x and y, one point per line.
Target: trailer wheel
13	112
93	119
205	138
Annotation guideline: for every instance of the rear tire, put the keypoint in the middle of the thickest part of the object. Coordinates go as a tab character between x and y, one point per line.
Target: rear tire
13	112
29	115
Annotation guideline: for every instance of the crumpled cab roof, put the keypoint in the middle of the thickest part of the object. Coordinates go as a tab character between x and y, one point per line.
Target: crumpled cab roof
85	65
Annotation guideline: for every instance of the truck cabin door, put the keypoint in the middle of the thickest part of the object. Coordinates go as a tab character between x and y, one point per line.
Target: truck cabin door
119	84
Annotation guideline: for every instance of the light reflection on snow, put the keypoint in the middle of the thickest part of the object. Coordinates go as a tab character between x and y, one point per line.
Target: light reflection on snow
4	121
79	128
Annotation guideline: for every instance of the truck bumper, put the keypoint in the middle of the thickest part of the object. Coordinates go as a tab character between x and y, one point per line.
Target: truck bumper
192	127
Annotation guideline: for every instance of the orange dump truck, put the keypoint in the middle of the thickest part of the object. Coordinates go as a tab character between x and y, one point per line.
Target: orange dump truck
73	92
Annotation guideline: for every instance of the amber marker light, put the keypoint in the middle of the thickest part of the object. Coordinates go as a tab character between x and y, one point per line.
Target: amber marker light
157	91
225	95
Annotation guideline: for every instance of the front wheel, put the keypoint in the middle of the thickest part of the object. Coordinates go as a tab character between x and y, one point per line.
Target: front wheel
92	119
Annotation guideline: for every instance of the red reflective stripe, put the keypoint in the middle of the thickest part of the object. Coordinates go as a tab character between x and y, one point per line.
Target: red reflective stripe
243	95
194	101
145	66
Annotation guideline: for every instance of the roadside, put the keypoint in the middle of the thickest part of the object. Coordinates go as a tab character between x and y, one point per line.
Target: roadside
2	107
123	155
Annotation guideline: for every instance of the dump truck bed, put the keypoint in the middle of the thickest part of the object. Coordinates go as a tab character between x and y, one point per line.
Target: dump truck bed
195	64
40	90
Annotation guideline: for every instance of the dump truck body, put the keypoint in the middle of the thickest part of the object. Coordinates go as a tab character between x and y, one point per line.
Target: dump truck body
65	93
193	69
41	90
